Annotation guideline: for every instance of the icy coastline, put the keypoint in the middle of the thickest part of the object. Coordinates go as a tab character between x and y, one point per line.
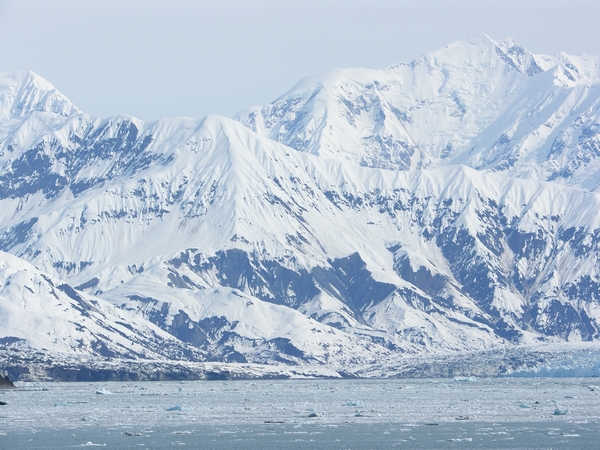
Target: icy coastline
581	360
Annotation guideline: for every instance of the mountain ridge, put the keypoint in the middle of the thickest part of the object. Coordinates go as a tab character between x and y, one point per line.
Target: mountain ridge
25	92
439	109
255	240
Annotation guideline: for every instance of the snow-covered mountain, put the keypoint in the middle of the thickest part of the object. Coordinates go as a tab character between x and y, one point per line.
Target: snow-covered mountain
491	105
445	206
22	93
44	313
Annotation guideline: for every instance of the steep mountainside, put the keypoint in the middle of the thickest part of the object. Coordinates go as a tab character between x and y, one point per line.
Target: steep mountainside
22	93
39	311
488	104
369	218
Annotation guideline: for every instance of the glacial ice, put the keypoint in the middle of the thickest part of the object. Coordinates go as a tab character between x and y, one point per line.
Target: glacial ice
103	391
354	403
465	379
174	408
490	400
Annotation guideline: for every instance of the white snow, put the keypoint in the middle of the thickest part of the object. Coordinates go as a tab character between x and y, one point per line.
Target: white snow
351	161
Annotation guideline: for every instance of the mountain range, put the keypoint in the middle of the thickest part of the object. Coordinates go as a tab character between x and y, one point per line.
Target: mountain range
364	222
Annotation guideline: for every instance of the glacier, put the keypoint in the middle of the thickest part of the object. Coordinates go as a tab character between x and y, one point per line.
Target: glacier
436	218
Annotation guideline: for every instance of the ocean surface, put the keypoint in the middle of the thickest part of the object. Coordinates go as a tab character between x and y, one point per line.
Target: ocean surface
498	413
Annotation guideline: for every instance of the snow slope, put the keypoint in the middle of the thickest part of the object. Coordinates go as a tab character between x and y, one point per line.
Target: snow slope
370	215
489	104
39	312
22	93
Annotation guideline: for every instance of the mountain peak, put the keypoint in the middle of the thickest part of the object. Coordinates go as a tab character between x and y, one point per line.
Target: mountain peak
25	92
523	61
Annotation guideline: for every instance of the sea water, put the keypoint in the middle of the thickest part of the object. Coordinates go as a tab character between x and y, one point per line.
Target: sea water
305	414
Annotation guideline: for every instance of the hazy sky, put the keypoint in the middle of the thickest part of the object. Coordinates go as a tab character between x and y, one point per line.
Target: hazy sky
168	58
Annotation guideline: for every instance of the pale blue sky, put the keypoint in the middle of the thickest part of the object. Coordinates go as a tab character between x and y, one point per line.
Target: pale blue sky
167	58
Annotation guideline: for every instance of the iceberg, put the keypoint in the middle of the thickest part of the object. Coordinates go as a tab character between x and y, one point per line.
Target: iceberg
354	403
174	408
465	379
103	392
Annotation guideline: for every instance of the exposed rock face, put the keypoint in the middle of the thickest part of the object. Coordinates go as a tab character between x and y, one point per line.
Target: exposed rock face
5	383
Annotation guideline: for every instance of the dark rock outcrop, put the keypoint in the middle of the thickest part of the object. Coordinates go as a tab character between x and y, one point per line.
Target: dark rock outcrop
5	383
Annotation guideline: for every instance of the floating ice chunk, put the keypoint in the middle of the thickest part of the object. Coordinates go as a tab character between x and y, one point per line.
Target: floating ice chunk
88	418
103	392
354	403
524	405
463	418
91	444
465	379
174	408
461	439
129	433
62	404
557	410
